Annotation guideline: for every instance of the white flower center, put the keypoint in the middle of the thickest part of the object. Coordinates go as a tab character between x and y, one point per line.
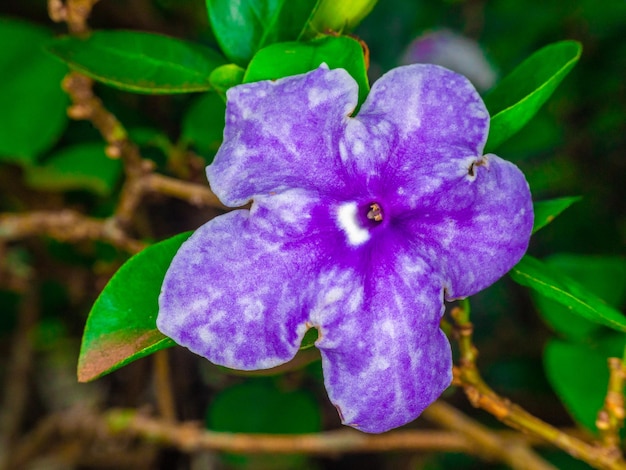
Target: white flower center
348	220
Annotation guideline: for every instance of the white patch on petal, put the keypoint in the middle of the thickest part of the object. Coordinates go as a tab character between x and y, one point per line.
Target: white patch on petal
412	266
477	111
383	128
317	96
253	308
343	152
381	363
448	230
347	218
358	147
200	304
240	151
337	291
355	302
413	117
388	327
206	335
335	294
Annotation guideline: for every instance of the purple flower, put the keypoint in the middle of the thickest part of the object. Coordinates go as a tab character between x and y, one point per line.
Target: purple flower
359	227
453	51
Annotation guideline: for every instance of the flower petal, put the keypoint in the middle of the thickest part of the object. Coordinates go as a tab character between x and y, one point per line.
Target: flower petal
384	357
233	292
418	126
283	134
478	228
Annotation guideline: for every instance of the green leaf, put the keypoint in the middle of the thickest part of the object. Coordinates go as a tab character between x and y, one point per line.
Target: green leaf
579	375
242	27
547	211
225	77
537	275
260	406
33	104
82	166
203	124
517	97
121	326
603	276
310	337
293	58
139	62
341	17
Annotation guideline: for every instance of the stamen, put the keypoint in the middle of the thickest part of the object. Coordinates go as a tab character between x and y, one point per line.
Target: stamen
375	213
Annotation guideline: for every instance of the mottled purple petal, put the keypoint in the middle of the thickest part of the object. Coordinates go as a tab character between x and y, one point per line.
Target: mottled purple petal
233	292
478	228
420	125
283	134
384	357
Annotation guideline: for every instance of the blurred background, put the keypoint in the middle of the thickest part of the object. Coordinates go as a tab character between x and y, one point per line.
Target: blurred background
576	145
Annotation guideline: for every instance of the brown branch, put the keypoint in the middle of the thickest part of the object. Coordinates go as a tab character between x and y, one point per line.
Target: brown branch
482	396
191	437
196	194
513	451
188	437
87	106
67	226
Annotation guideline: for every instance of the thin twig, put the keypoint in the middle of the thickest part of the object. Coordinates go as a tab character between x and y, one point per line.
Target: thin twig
193	193
67	226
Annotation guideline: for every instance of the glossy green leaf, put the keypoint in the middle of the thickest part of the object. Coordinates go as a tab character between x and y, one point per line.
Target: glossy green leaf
549	282
139	62
82	166
579	375
261	406
33	104
203	124
121	326
547	211
226	76
517	97
242	27
292	58
341	17
603	276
